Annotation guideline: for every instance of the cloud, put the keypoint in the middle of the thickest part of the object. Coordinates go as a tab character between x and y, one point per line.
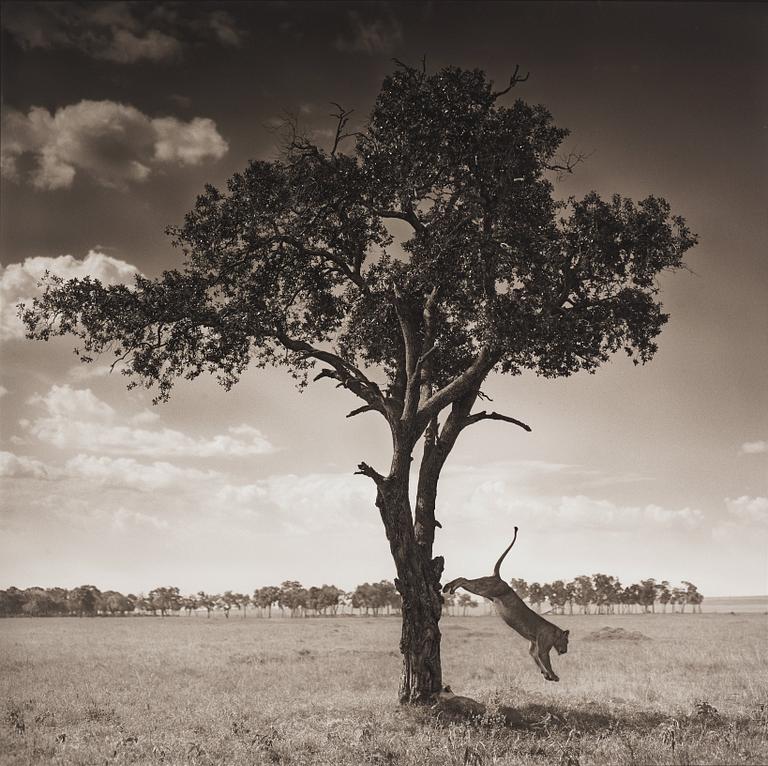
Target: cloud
304	504
123	33
372	36
754	448
748	510
20	467
114	144
513	501
3	391
78	419
122	517
18	281
128	473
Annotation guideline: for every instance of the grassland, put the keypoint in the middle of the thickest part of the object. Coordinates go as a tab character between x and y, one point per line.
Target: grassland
191	690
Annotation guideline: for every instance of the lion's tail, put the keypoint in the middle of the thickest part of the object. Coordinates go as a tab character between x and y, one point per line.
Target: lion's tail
497	568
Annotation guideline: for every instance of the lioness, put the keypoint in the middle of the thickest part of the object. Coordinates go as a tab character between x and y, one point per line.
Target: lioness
542	634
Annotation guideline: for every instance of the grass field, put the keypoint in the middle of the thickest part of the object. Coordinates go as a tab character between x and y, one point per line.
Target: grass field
191	690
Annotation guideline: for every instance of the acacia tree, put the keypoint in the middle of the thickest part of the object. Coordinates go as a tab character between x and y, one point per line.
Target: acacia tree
295	265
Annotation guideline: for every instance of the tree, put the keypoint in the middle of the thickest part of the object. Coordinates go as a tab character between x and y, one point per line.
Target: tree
692	596
466	602
84	600
293	596
293	266
664	594
265	597
536	595
206	602
648	594
583	592
165	600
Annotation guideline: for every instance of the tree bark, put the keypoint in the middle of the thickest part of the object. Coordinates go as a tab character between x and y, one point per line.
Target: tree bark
418	582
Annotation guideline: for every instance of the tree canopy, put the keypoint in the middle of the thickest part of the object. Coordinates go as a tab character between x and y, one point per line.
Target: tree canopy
295	264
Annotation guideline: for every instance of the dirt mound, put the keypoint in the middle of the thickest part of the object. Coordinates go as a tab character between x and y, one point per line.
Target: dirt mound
614	634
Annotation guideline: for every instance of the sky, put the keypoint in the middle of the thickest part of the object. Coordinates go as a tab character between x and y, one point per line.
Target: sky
115	115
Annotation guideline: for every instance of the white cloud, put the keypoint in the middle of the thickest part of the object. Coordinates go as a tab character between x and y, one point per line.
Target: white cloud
18	281
754	448
749	510
112	143
21	467
503	499
371	36
304	504
3	391
127	472
78	419
122	517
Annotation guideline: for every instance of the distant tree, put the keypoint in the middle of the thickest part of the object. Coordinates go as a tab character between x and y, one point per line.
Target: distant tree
265	597
292	266
115	603
164	600
557	596
570	594
189	604
647	594
584	592
329	598
663	594
206	601
11	602
466	602
292	596
520	587
678	597
38	603
449	601
692	596
84	600
536	595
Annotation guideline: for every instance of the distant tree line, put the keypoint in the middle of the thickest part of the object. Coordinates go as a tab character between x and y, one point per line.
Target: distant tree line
604	594
599	594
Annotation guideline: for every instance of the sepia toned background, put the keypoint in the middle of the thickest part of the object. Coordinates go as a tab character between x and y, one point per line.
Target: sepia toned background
116	115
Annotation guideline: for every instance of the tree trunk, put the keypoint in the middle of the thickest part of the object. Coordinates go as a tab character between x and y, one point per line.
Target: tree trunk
417	581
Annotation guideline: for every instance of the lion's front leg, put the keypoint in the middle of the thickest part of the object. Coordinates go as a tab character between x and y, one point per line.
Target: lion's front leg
453	585
543	658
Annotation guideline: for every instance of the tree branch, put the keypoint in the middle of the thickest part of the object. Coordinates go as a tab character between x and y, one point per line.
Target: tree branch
364	469
361	410
512	82
494	416
347	374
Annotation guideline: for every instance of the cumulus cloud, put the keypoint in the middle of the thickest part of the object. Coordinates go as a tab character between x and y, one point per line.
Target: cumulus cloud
304	504
21	467
754	448
500	498
748	510
371	36
114	144
18	281
124	33
78	419
130	474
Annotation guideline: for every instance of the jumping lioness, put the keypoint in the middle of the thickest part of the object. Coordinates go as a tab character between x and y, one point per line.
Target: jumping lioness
542	634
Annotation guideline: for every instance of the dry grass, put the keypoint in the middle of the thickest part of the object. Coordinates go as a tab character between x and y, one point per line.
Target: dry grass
321	691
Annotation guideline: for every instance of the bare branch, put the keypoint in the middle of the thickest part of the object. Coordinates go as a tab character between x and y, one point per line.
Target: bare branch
342	118
514	80
409	216
494	416
346	373
361	410
365	470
